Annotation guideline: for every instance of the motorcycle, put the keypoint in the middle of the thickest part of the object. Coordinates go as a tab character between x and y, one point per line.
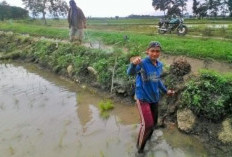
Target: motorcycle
172	25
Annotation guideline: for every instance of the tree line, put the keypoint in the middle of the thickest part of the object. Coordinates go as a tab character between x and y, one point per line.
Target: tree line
11	12
56	8
201	8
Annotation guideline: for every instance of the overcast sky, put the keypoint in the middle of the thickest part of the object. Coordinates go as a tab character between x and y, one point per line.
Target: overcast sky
111	8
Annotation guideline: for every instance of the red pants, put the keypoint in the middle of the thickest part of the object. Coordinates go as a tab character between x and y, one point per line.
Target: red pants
148	116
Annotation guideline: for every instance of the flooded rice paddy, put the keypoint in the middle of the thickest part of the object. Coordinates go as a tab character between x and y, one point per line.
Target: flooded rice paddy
42	114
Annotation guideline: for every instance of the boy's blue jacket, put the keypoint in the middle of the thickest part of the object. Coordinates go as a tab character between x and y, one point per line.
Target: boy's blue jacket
148	83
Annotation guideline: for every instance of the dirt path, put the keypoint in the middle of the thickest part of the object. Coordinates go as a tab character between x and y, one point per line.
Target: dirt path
196	64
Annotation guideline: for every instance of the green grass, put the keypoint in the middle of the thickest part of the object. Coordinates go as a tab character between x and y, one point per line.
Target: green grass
194	47
95	21
209	21
209	96
106	105
136	21
146	25
172	44
59	57
35	30
149	26
108	21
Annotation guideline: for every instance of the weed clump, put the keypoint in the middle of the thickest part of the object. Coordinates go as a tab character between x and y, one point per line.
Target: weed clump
209	96
105	106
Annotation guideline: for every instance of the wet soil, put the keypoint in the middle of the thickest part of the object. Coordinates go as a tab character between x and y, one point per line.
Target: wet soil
42	114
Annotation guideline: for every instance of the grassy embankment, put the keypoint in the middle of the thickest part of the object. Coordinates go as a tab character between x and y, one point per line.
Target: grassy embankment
216	87
58	57
209	95
136	43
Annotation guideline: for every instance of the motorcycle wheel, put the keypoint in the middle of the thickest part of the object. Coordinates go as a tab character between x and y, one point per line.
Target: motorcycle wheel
182	30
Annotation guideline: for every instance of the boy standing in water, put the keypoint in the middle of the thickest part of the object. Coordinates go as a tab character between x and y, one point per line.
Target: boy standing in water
148	86
77	22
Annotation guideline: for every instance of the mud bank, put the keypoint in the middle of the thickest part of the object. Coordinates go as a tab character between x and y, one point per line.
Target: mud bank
106	72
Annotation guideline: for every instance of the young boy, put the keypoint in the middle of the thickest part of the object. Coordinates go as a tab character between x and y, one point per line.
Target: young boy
148	86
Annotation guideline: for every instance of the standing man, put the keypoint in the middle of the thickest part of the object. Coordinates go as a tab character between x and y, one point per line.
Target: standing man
148	87
77	22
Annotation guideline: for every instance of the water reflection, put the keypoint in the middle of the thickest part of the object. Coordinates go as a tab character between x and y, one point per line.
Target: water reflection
83	110
43	115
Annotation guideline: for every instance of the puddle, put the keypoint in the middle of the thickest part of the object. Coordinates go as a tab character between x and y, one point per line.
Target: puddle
42	114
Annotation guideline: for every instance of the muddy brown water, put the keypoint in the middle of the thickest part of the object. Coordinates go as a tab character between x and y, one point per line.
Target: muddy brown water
42	114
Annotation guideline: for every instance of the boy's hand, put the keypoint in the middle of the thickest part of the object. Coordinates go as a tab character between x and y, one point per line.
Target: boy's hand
170	92
136	60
